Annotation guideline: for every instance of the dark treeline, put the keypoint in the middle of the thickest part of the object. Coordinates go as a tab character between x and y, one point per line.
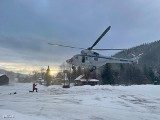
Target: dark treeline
118	74
128	74
113	74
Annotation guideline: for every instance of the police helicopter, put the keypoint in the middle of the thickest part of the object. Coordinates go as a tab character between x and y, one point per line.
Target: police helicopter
93	60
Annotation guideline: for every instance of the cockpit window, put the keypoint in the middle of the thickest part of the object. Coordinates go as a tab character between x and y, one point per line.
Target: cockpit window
76	57
95	53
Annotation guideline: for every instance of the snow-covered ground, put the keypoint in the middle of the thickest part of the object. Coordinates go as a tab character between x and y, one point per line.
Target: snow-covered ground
80	102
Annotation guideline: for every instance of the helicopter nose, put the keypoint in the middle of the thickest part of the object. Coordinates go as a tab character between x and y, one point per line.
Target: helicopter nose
68	61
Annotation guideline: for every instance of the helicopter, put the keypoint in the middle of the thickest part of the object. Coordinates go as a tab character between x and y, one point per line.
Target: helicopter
93	60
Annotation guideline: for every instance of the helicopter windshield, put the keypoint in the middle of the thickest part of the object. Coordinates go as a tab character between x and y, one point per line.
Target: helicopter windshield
76	56
95	53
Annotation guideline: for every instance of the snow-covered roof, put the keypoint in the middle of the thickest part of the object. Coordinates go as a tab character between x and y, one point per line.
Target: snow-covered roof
82	79
79	77
94	80
1	74
42	80
91	80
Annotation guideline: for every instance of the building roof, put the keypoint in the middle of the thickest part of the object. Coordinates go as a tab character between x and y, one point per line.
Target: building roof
79	77
1	74
90	80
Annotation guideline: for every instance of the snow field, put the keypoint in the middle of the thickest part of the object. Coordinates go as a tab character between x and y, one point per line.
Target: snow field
80	102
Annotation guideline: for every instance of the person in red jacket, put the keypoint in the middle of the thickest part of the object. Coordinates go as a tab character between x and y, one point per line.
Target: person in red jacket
34	87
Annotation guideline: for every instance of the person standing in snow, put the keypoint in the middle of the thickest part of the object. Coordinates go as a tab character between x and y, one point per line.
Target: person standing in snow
34	87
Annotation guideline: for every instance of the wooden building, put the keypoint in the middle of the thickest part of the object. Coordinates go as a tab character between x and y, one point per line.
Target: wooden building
79	81
4	80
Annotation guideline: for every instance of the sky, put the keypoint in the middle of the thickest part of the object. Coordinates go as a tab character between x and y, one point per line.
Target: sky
26	28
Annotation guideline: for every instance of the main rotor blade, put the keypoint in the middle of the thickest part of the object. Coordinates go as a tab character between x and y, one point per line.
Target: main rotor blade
109	49
100	37
65	46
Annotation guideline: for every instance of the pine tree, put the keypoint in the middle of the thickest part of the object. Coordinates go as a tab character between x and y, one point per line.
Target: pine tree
107	77
151	75
48	77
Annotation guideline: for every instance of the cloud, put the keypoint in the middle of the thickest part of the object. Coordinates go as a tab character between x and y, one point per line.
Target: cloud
28	49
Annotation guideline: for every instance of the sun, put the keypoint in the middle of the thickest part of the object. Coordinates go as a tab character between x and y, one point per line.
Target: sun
54	71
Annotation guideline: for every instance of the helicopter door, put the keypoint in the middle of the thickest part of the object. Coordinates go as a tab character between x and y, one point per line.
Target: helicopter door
83	59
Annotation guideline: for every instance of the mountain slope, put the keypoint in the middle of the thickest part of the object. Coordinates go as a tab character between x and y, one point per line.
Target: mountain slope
147	71
150	57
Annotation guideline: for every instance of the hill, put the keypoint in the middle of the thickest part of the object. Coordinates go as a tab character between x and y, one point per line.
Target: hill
147	71
150	57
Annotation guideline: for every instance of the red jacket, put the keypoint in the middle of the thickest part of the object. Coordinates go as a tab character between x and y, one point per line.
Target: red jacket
34	86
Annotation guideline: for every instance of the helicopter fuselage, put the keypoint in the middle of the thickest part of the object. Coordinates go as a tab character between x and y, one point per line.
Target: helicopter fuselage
90	59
